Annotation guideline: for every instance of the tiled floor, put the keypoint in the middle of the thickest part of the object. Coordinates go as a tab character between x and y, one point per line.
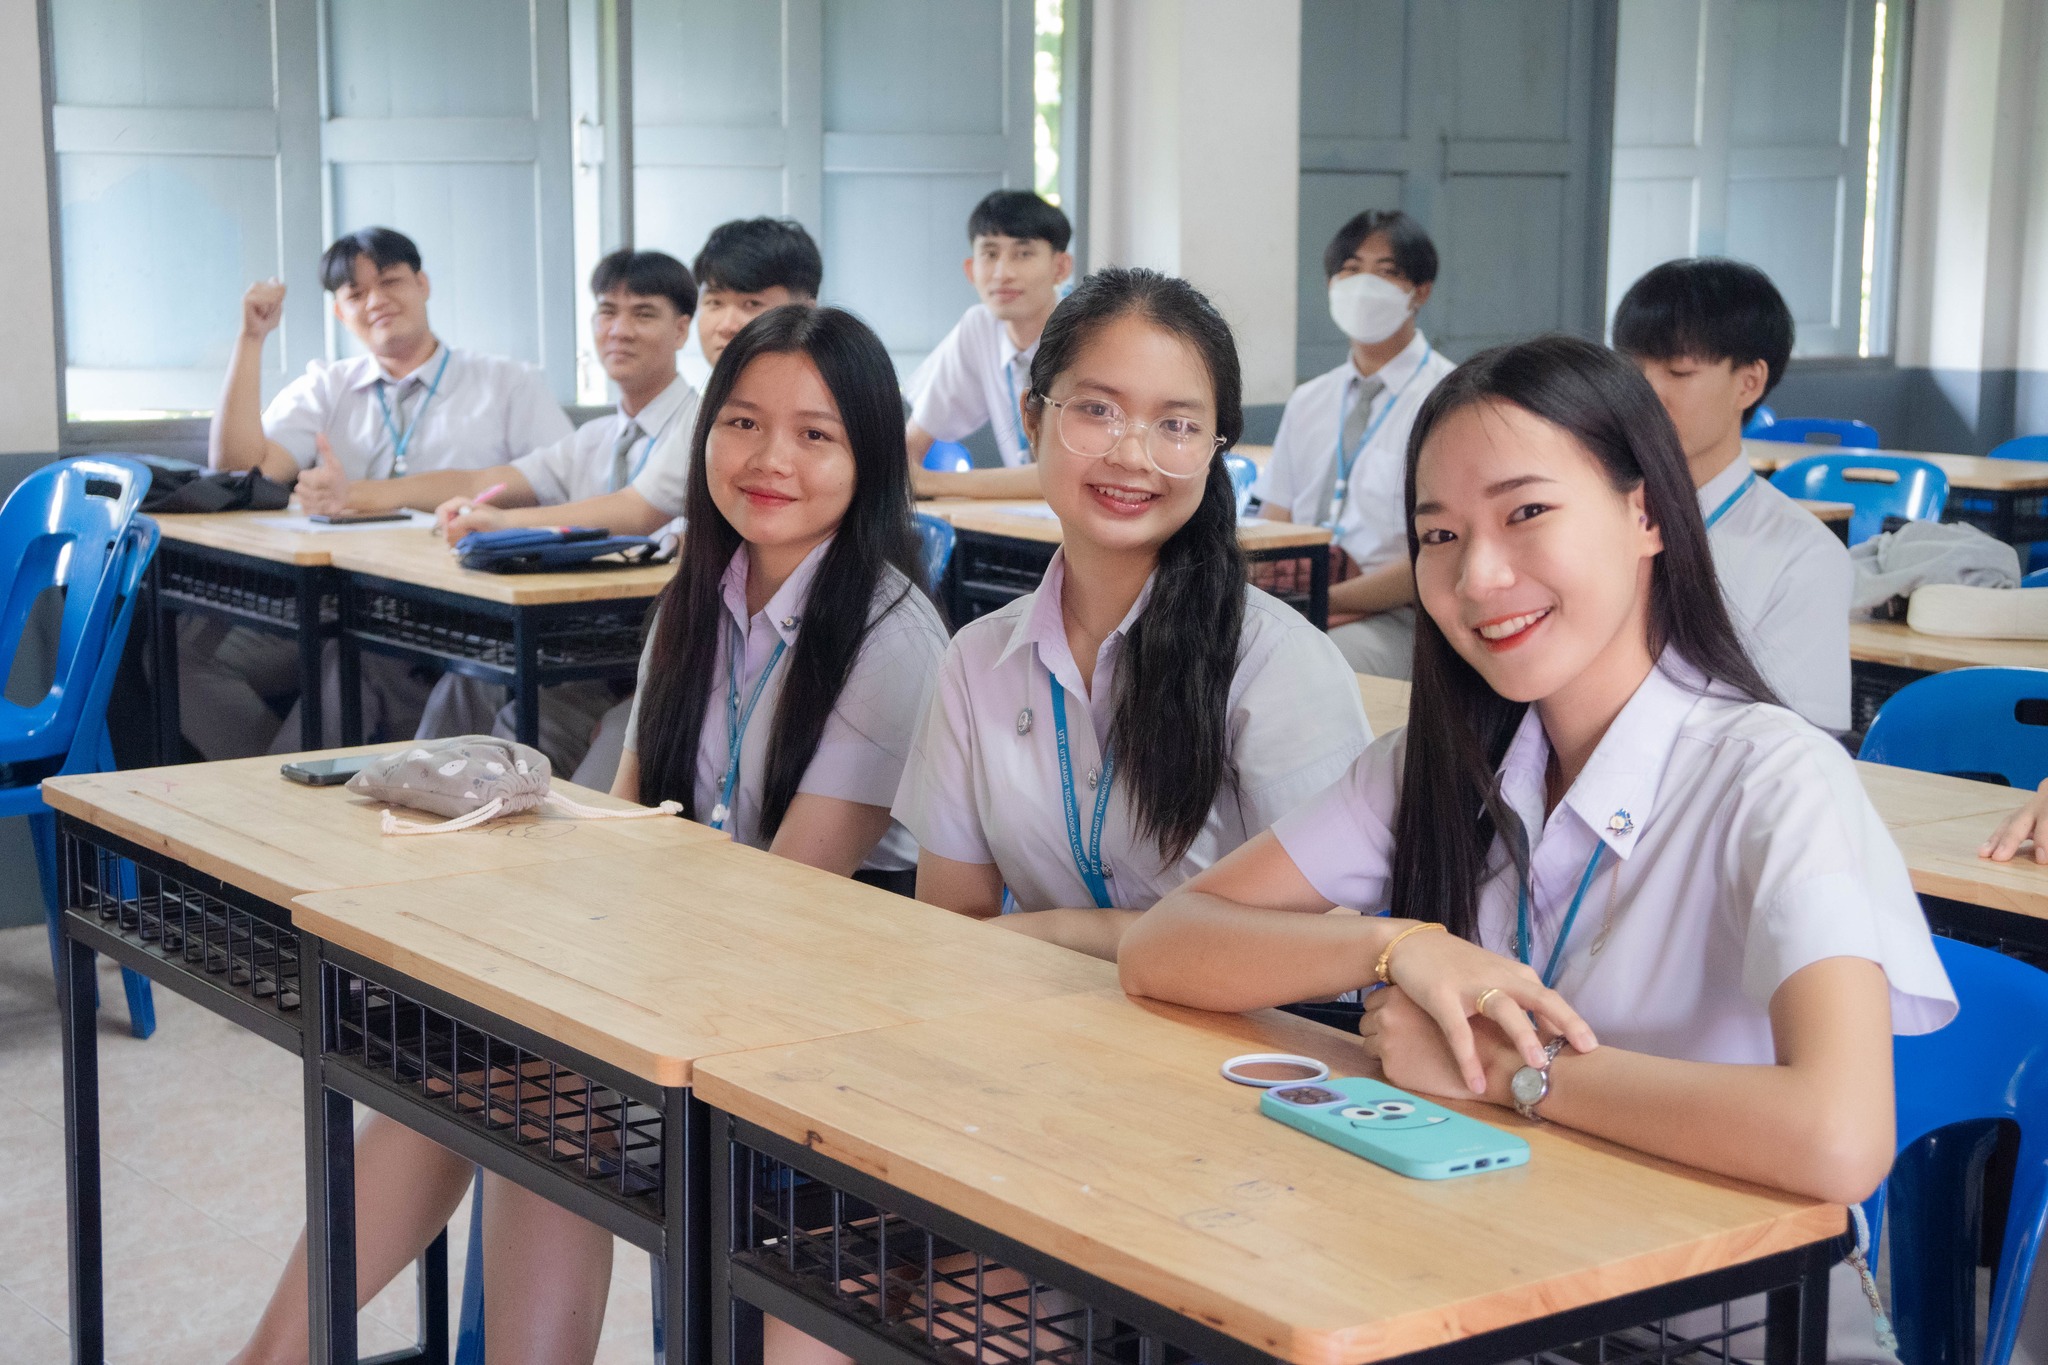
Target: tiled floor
203	1172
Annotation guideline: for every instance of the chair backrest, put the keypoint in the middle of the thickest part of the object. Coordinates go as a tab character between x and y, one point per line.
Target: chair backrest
948	457
2022	448
1758	420
1827	431
91	746
1984	723
1877	486
62	528
1243	474
937	537
2037	579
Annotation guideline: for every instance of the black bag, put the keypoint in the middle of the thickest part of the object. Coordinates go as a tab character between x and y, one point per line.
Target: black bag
181	486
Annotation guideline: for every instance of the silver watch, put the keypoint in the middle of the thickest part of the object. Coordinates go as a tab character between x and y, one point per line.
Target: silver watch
1530	1086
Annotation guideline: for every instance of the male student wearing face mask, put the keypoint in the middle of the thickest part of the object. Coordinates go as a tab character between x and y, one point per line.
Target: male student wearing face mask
1338	458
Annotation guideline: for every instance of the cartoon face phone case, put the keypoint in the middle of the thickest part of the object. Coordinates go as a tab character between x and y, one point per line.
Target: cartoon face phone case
1392	1128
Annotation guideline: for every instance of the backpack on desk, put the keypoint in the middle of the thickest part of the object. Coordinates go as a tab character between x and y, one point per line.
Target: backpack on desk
555	549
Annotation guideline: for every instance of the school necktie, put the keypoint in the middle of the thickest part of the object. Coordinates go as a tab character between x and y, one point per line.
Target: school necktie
1366	389
622	449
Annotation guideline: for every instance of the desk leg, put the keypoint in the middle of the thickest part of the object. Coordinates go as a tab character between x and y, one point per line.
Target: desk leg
163	644
312	683
1796	1317
79	989
525	681
330	1182
351	665
1319	587
682	1274
2007	518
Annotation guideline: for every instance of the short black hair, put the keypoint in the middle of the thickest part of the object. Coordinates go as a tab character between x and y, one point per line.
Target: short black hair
384	246
1414	253
748	255
652	274
1707	308
1020	214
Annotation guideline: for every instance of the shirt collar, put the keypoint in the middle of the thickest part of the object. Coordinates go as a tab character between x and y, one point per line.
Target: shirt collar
1396	373
1722	486
373	370
784	610
1044	624
660	408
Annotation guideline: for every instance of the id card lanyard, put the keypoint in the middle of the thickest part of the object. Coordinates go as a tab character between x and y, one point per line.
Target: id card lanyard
1088	858
737	720
1345	466
1564	933
1730	500
402	441
1016	418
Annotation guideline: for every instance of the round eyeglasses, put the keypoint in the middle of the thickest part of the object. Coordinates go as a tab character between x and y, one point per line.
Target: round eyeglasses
1178	447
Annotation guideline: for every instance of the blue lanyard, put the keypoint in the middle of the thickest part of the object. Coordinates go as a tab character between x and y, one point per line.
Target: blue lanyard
647	449
1345	466
1016	418
736	720
1564	933
401	442
1087	861
1730	500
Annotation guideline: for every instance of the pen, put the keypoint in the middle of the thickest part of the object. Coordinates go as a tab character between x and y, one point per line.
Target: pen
477	501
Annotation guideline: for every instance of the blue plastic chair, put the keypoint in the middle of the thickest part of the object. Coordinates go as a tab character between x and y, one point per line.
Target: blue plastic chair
1877	486
1763	417
1845	431
1954	1086
2037	579
1243	474
2022	448
1966	722
948	457
937	536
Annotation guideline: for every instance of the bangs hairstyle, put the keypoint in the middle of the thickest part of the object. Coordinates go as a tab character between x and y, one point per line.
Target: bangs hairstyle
1414	254
384	246
1459	728
1168	724
748	255
1709	309
650	274
875	537
1020	214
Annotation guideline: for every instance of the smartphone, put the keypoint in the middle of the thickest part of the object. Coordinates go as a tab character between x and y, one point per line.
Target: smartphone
356	518
1392	1128
325	772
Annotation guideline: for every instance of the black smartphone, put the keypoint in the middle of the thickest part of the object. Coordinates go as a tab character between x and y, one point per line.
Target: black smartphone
325	772
356	518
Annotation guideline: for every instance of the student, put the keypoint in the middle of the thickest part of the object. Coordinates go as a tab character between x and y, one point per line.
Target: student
1712	336
644	301
1145	711
407	405
1337	456
801	551
1017	261
1590	756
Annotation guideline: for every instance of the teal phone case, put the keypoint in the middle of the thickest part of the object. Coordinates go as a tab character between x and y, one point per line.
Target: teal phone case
1392	1128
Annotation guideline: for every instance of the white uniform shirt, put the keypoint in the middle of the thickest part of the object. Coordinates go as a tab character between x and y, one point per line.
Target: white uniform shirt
1787	581
663	479
978	790
974	378
1302	474
867	738
486	410
579	465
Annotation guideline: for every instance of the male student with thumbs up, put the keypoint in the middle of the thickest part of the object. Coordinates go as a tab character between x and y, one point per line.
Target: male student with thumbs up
409	404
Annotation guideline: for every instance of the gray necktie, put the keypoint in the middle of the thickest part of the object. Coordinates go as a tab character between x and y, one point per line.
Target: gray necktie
621	451
1355	421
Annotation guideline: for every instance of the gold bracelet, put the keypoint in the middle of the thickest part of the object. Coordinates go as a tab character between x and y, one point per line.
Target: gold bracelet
1379	969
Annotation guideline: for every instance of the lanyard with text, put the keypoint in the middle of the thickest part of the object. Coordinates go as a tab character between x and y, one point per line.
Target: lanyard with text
736	720
1564	932
1730	500
1345	466
1087	860
402	441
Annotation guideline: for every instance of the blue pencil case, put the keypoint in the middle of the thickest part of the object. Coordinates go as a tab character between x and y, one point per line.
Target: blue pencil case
554	549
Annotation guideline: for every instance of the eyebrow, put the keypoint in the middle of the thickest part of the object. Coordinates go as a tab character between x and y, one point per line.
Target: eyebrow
809	414
1111	391
1493	490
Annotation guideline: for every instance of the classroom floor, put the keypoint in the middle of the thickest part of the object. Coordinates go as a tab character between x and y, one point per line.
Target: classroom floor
204	1188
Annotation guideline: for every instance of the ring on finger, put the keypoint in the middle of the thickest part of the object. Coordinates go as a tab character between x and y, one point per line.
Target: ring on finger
1479	1005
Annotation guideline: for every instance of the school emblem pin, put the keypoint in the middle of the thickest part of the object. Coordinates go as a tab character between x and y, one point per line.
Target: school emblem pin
1620	823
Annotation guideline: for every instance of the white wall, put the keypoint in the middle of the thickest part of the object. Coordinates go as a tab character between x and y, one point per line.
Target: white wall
28	357
1195	156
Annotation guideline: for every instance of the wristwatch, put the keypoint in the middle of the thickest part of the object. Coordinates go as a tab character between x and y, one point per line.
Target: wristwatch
1530	1086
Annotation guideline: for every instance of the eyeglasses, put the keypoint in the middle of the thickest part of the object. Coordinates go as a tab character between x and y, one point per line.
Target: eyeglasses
1178	447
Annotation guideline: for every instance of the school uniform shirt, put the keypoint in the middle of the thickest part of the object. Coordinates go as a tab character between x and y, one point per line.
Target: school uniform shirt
860	755
1787	581
486	410
580	465
974	378
983	784
1301	476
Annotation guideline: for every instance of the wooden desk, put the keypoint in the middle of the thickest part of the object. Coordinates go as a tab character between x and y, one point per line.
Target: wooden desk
1835	515
1386	702
1089	1143
1897	645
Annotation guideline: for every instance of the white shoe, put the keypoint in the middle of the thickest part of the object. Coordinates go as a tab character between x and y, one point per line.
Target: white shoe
1980	613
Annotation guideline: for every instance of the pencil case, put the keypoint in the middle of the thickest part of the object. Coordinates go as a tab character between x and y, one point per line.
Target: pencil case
554	549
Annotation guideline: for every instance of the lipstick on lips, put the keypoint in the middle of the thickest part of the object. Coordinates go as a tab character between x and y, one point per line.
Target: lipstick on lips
1505	632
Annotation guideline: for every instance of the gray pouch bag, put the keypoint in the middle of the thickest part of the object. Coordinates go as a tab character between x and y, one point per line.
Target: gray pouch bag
471	779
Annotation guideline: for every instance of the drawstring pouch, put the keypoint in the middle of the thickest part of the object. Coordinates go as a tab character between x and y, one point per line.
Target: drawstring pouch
470	779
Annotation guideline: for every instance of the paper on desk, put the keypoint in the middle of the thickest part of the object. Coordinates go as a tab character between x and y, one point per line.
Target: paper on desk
413	517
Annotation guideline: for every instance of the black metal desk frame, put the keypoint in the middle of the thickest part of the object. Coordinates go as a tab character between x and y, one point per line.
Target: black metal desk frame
988	570
221	947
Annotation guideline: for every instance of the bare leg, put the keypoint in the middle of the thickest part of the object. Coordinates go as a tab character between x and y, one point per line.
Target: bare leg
407	1187
546	1275
782	1344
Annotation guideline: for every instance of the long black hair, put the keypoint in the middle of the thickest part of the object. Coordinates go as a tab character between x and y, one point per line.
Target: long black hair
1169	721
1459	728
875	536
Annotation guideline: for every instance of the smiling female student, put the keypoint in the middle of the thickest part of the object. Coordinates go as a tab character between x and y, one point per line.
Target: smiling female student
780	689
1144	711
1595	781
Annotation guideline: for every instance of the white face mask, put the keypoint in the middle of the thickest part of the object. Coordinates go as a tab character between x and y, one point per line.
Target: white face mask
1369	308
